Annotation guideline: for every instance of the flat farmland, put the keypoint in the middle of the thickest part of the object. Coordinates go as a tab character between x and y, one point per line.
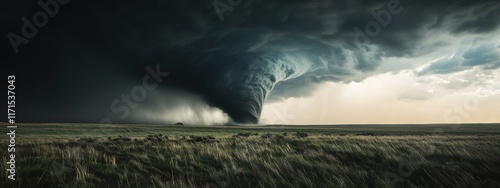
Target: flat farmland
138	155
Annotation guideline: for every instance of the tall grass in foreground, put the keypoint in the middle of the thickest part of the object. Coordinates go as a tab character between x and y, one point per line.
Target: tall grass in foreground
258	160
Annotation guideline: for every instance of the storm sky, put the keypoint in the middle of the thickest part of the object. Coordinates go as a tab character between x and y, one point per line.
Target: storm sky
248	62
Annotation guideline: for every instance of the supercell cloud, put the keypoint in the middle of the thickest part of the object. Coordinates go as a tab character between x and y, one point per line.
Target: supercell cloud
262	51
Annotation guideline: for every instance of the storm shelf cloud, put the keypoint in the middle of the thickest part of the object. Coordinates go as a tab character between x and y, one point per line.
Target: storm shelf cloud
262	52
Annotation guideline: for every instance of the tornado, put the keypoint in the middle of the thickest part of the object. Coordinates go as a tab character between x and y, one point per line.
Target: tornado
245	87
256	56
239	83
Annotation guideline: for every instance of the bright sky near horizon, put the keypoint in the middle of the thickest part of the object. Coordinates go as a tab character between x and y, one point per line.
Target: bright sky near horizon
429	89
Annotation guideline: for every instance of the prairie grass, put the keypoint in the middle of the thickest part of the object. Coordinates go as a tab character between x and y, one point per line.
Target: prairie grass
330	156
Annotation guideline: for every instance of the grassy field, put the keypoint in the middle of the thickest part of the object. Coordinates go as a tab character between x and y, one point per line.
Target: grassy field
89	155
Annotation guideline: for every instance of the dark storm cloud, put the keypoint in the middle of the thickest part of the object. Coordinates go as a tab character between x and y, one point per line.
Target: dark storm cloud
482	18
93	51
